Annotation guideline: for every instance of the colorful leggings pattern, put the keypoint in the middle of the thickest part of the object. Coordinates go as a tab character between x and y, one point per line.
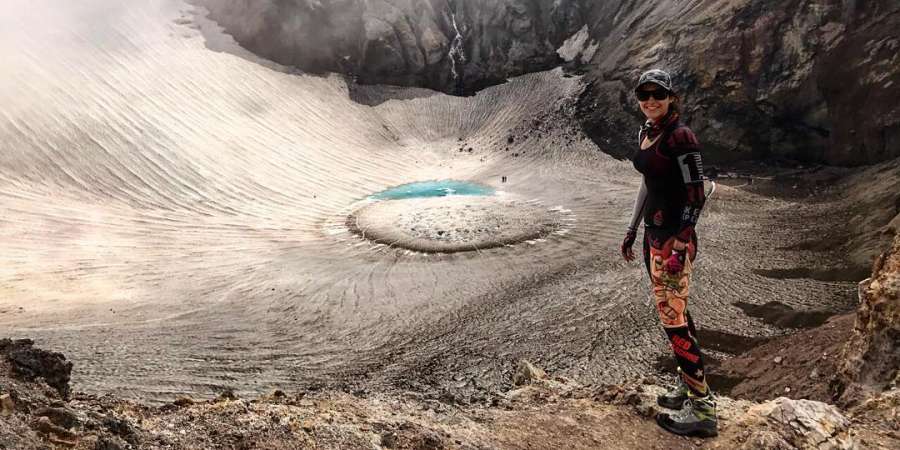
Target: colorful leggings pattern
671	295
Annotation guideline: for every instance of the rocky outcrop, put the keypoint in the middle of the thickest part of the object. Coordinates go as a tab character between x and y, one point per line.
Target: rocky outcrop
789	80
526	373
548	412
761	81
801	424
310	35
32	363
512	37
872	357
457	46
785	424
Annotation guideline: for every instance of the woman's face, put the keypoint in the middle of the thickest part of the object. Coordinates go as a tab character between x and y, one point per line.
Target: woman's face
652	108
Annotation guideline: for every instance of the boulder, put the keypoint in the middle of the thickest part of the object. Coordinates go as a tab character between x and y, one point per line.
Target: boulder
62	417
766	439
806	423
7	406
527	373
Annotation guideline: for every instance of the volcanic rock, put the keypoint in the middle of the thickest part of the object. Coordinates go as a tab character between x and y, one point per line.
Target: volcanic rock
62	417
527	373
806	423
45	426
404	42
872	357
7	406
31	363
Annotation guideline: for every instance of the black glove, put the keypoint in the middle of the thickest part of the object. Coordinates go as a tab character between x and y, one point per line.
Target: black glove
627	243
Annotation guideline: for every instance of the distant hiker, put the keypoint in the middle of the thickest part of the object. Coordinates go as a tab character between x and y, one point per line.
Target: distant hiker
669	201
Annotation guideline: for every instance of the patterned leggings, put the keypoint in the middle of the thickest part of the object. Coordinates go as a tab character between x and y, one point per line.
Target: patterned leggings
671	295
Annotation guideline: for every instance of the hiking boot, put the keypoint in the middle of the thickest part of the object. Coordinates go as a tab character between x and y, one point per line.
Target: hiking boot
696	418
675	398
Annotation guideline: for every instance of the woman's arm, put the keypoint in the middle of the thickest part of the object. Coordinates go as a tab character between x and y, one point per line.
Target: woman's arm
686	149
631	234
639	204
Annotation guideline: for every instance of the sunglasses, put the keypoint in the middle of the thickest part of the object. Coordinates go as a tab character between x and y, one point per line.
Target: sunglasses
659	94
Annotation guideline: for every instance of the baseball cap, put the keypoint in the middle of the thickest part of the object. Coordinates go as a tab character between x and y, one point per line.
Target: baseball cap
658	77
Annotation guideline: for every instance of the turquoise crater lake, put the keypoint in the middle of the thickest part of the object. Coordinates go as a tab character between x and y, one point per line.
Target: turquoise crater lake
425	189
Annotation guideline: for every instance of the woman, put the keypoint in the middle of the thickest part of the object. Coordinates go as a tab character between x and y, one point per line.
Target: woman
669	201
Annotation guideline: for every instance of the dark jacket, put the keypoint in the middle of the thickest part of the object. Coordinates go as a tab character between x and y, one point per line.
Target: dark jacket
673	174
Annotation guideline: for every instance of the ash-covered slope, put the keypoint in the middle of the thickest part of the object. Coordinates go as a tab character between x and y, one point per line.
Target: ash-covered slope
792	79
190	206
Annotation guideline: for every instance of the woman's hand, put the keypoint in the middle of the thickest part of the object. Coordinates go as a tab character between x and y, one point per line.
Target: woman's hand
627	243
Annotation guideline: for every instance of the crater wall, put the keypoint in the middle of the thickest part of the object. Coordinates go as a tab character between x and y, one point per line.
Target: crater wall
792	80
